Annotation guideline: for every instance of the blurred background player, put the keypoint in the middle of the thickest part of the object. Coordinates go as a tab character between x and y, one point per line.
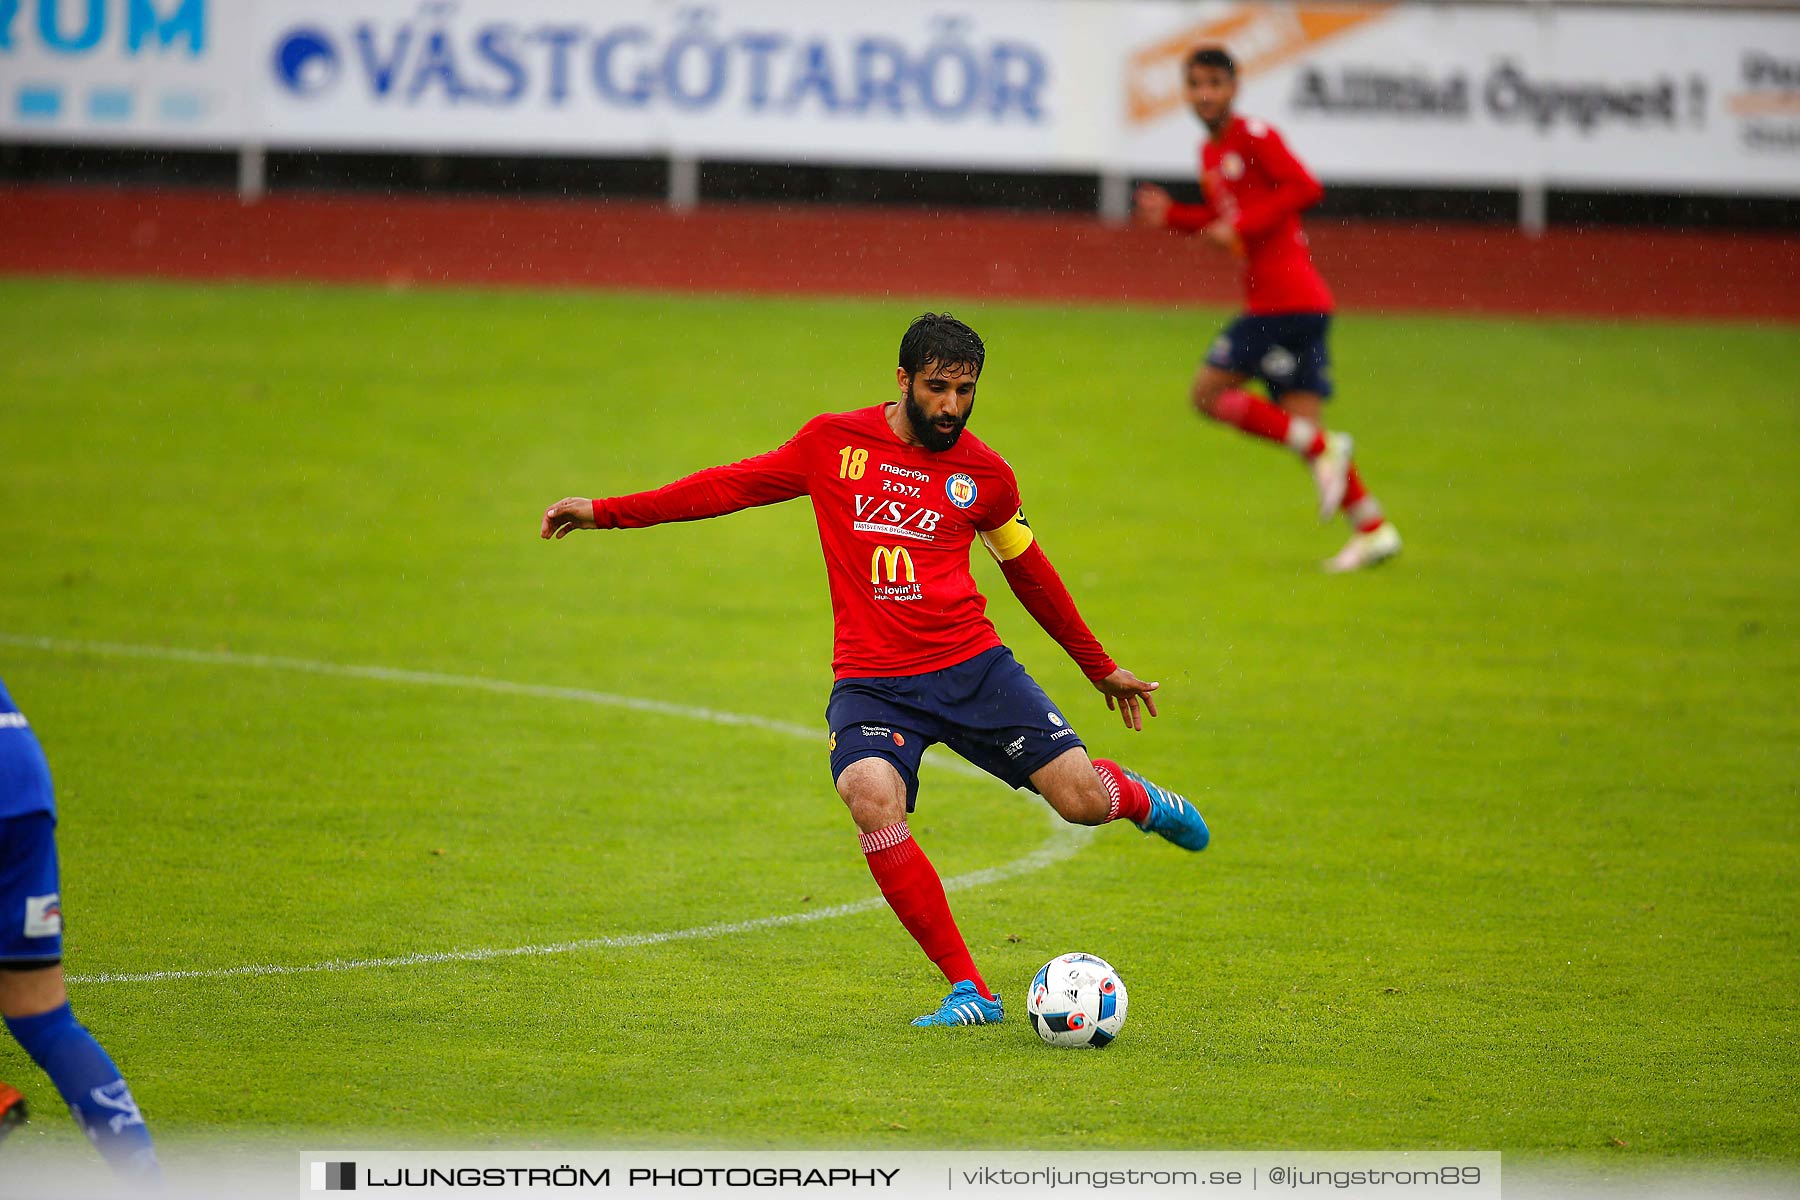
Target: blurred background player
1254	190
33	1000
901	492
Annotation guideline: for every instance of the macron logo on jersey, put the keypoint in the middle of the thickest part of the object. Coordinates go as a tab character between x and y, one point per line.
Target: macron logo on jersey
896	518
13	721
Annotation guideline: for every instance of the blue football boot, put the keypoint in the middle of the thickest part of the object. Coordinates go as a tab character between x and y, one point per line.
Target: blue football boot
1172	816
964	1006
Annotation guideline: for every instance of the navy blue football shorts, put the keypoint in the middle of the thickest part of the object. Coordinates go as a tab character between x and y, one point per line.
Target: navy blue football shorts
1287	351
986	709
30	900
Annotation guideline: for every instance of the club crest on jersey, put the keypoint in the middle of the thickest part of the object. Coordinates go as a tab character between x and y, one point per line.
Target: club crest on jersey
1232	165
961	490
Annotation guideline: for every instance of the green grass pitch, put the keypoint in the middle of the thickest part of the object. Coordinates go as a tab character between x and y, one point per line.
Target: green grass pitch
1506	835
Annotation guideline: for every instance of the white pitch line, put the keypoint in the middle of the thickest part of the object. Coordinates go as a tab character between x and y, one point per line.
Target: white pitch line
1055	851
1064	844
476	683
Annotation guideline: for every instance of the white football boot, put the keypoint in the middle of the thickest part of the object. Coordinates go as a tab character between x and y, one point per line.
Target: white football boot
1366	549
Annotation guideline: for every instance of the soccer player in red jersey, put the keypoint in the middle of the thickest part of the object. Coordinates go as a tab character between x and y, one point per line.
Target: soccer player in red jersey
901	491
1254	190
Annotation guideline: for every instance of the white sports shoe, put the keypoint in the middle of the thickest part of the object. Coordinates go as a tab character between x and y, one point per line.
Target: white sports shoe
1331	472
1366	549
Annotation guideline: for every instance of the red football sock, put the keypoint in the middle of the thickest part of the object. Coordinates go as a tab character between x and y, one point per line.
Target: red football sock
1129	799
916	894
1361	509
1257	417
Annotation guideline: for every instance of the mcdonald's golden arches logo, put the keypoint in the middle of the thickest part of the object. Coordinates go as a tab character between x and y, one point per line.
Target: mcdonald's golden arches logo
889	560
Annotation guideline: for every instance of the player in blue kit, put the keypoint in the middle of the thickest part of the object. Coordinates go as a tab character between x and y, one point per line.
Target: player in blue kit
33	1000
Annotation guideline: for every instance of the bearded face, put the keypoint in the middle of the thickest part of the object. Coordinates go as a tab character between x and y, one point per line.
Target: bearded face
939	402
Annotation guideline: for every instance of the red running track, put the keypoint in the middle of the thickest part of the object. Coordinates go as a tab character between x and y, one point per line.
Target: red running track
815	250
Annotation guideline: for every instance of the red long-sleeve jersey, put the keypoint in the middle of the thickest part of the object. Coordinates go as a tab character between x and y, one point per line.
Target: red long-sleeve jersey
895	524
1250	177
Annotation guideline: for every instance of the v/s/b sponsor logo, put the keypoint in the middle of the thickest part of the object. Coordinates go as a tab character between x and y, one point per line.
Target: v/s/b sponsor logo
896	518
953	74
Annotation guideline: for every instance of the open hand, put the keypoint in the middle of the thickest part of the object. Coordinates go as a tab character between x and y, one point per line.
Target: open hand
1150	205
1223	234
573	512
1128	693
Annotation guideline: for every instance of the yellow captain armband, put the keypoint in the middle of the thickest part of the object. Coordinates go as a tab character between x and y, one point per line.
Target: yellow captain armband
1010	540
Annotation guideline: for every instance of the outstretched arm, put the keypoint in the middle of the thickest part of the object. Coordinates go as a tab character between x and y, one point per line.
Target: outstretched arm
1154	207
571	512
766	479
1040	589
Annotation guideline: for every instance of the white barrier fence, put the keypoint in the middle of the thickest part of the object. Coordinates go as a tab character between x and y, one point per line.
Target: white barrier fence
1528	95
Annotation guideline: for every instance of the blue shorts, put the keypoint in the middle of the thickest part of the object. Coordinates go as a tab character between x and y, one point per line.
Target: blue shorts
1286	351
986	709
30	900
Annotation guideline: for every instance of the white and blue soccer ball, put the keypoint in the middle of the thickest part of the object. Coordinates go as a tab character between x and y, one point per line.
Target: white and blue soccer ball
1077	1000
